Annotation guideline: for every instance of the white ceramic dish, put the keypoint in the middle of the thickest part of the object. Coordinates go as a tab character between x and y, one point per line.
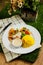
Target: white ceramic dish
22	50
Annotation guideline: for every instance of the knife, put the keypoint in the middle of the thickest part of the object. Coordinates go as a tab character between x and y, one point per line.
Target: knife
4	28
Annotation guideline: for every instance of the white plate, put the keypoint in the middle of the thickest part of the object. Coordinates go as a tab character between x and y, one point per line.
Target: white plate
22	50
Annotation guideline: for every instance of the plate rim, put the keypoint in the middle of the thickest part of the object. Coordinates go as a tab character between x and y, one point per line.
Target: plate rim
25	52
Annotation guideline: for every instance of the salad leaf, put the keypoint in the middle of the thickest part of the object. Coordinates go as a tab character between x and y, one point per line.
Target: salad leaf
23	34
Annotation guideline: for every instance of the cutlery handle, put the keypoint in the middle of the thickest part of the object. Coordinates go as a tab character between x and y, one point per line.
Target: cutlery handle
4	28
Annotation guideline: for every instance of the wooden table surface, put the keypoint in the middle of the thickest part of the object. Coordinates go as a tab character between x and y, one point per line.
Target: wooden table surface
39	60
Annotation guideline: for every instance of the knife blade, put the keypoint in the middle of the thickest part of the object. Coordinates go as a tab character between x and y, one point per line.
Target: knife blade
4	28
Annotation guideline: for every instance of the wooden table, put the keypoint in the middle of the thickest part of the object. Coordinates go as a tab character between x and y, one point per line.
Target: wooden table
39	60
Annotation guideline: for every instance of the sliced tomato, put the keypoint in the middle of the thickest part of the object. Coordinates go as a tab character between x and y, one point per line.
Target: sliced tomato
27	32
